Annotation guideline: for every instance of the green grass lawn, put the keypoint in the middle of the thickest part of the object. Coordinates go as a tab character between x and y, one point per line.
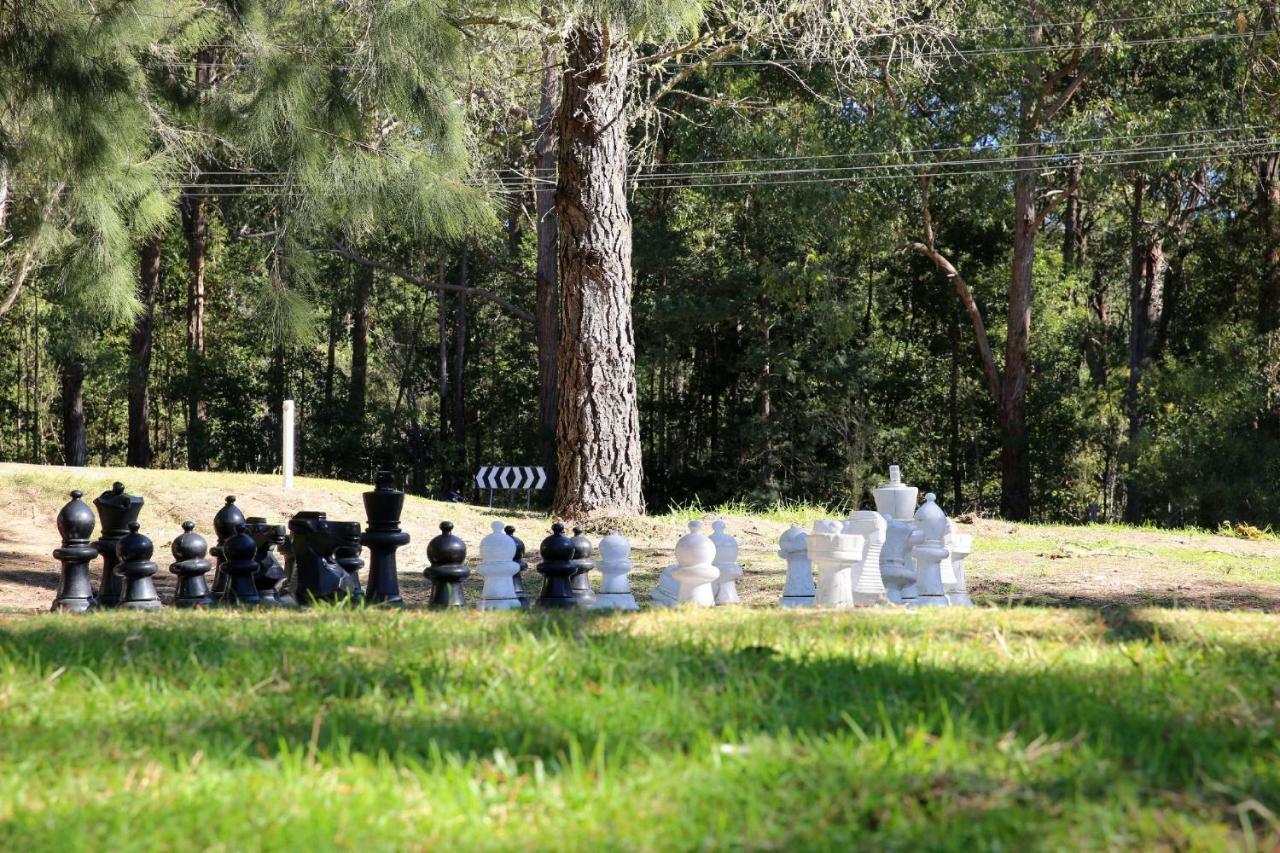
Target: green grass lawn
1009	729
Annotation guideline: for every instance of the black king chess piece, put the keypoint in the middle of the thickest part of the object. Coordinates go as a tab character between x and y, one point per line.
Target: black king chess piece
191	565
347	554
447	555
116	511
318	576
75	525
518	580
224	527
134	551
269	573
382	536
239	567
556	568
583	564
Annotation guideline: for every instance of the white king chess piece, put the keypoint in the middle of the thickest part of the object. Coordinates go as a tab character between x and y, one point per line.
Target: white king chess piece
614	563
895	499
695	568
898	574
932	523
794	548
868	586
498	568
961	545
835	555
725	587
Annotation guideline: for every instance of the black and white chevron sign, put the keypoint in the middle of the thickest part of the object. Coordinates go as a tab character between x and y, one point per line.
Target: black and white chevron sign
511	477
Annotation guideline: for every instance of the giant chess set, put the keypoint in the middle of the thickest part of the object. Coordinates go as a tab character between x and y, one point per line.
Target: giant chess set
900	554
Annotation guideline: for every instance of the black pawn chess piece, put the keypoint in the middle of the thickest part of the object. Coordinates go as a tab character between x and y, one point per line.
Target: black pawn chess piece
225	523
269	573
447	554
134	552
348	556
239	566
518	580
75	525
557	568
116	511
318	577
583	565
382	536
191	565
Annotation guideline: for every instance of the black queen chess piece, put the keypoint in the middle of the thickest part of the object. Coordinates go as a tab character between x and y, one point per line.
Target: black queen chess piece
75	526
317	575
224	527
239	567
581	581
557	568
347	555
269	574
518	579
116	511
447	555
134	552
191	565
383	536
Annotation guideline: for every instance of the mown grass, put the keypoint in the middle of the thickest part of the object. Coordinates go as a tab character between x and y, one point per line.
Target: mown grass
666	730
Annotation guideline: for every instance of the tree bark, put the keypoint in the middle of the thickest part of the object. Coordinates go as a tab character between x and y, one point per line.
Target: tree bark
75	445
138	453
598	423
442	372
358	389
1269	218
546	311
459	365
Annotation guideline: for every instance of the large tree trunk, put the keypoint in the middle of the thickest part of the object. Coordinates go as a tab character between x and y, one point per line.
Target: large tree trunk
598	424
75	445
1015	469
139	453
358	390
544	196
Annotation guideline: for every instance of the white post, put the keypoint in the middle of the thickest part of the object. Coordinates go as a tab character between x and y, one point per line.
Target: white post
286	450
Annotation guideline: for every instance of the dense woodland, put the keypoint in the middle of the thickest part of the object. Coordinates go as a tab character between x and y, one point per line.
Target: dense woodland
1030	251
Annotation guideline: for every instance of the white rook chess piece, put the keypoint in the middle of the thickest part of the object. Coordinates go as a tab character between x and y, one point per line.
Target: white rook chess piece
898	574
794	548
695	569
961	546
614	564
868	586
725	587
498	568
835	555
932	523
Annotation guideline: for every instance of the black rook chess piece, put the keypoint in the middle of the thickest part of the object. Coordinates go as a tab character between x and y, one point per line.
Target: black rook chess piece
269	573
446	553
224	527
116	510
318	576
556	568
134	552
382	536
191	565
239	567
518	579
75	525
348	556
581	582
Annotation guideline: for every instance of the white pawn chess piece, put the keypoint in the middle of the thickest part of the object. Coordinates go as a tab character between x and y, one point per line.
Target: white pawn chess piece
725	587
695	569
614	563
961	545
835	555
932	523
898	574
793	547
868	586
498	568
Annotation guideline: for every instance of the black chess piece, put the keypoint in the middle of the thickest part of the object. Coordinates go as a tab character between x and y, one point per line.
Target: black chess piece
75	525
447	555
318	576
518	579
557	568
224	527
269	573
134	551
382	536
116	511
239	567
288	587
348	556
583	565
191	565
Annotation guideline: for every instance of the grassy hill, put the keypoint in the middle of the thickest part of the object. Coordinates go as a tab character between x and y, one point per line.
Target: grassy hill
1141	711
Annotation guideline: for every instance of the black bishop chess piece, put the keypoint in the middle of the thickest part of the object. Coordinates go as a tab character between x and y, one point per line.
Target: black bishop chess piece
383	536
269	573
347	555
318	577
447	555
134	552
239	567
557	568
75	525
116	511
518	579
225	523
191	565
583	565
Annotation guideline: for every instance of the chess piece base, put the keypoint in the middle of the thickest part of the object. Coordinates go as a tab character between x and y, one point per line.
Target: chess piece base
73	605
615	601
499	604
188	603
727	593
928	601
797	601
869	599
145	604
959	599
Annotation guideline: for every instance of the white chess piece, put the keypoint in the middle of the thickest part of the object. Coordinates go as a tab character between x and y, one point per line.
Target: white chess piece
666	591
898	575
868	586
895	499
794	548
948	571
961	545
932	523
725	587
835	555
498	568
614	563
695	569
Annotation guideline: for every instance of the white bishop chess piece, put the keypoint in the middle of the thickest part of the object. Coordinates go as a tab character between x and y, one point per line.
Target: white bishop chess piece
932	523
793	547
961	546
614	563
498	568
868	586
725	587
695	569
835	555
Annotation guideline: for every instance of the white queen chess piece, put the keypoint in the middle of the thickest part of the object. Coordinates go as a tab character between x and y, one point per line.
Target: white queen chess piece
835	555
793	547
868	586
725	587
695	569
498	568
614	564
932	523
961	546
